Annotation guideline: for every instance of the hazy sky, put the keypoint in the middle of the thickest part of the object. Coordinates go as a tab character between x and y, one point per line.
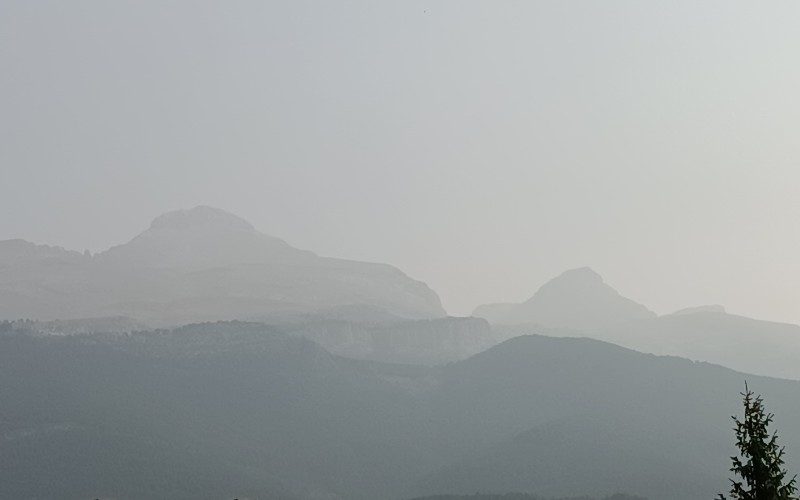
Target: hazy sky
482	147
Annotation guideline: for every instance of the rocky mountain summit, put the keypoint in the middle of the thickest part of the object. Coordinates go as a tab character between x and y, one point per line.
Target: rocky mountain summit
577	299
200	264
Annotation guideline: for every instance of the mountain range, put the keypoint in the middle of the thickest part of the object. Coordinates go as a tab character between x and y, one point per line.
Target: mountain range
302	377
205	264
580	303
195	265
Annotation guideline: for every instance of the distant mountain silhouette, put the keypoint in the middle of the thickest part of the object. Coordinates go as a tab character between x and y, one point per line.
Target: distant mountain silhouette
709	334
579	303
577	299
705	333
201	238
196	265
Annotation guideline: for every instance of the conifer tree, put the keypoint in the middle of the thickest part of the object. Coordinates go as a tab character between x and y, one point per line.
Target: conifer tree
760	464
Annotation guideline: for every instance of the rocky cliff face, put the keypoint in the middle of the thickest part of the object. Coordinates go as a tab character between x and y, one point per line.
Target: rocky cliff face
423	342
202	264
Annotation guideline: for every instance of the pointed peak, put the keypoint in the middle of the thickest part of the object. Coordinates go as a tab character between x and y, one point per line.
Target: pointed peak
574	280
576	299
583	274
198	217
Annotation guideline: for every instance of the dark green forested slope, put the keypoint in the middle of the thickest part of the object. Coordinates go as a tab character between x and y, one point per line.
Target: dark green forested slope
208	411
243	410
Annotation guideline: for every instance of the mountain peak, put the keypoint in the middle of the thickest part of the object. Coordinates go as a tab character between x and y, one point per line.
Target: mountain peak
576	299
200	217
201	237
579	275
199	264
581	284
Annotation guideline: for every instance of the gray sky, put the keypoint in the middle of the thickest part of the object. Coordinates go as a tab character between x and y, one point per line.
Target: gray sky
482	147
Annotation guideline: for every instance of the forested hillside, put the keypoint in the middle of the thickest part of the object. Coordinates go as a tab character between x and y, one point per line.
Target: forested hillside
243	409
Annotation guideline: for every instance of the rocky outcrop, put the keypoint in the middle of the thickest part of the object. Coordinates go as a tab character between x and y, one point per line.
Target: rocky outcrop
423	342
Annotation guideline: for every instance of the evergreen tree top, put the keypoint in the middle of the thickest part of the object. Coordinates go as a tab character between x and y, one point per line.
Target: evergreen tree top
760	462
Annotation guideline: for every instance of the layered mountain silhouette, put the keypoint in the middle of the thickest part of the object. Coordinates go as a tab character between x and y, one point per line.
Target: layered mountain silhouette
196	265
313	401
580	303
232	410
710	334
577	299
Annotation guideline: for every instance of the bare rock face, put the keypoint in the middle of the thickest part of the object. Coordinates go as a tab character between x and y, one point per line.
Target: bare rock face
577	299
418	342
202	264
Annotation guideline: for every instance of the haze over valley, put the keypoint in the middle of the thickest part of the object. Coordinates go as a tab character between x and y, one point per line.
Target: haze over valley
295	362
411	250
